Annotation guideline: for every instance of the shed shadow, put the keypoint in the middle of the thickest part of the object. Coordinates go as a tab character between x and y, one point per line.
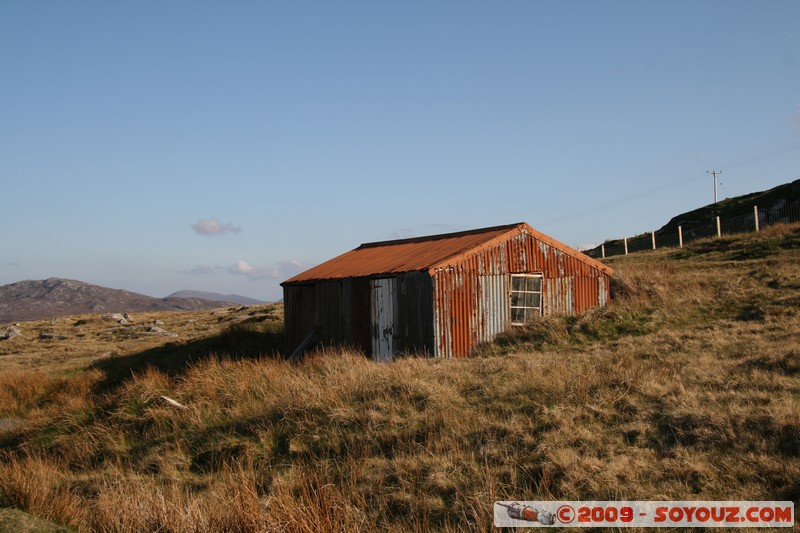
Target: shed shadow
241	341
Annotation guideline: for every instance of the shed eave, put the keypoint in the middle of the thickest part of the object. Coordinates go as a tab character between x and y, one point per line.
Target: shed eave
371	275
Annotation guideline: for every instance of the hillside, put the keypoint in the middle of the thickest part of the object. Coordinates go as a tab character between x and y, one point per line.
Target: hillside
686	387
53	297
780	204
777	197
217	297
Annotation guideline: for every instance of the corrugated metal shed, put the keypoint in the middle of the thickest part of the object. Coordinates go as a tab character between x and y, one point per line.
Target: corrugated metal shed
443	294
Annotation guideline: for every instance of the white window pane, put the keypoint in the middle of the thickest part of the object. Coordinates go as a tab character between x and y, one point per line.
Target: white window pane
516	299
530	299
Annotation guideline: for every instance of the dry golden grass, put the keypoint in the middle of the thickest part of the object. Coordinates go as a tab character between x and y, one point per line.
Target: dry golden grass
686	387
84	339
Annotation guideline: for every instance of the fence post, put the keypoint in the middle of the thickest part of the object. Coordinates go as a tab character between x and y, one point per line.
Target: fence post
755	212
719	230
680	237
653	236
603	250
625	240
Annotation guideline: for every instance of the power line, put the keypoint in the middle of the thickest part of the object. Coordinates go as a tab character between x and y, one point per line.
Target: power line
724	188
760	157
714	175
675	183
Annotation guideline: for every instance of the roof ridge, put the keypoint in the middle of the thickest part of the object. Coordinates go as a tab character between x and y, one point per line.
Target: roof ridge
440	236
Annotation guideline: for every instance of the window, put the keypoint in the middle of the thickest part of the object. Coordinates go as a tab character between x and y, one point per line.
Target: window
526	298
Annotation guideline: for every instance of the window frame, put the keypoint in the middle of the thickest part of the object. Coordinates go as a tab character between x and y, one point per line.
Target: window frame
527	315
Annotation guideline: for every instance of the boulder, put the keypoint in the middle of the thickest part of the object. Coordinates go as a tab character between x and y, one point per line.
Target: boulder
10	333
155	330
119	317
51	337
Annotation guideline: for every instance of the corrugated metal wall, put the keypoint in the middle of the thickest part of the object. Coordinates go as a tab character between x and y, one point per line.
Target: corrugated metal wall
299	306
344	312
471	298
493	309
323	306
328	311
361	313
414	326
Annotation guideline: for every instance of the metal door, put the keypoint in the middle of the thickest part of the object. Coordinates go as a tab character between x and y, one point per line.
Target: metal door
382	319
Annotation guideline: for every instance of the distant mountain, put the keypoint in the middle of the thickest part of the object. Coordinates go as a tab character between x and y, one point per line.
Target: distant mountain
40	299
232	298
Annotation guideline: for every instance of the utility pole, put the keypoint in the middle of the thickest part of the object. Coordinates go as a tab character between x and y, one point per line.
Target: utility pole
714	174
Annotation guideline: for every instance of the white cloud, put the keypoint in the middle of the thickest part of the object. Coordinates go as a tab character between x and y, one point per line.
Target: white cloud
290	268
212	226
243	267
281	270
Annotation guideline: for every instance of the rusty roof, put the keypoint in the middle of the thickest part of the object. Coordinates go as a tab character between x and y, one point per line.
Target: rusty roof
426	253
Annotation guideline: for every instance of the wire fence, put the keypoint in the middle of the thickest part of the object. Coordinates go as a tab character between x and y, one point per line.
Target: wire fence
779	213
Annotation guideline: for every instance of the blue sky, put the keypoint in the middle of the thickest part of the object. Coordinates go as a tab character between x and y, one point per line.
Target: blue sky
158	146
